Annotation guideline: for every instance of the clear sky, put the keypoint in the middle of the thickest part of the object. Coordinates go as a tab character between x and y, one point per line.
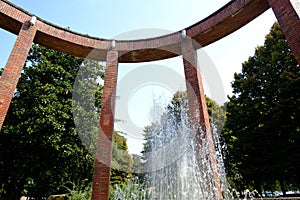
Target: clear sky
109	18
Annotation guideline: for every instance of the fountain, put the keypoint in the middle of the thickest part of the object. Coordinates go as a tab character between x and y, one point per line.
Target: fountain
226	20
175	169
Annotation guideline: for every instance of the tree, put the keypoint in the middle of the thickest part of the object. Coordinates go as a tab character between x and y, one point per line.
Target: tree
263	116
40	148
217	115
50	132
122	162
137	168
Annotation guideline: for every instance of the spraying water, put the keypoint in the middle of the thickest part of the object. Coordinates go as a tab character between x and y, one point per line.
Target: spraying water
178	165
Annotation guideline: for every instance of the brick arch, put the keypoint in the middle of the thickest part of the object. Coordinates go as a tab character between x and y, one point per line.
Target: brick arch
224	21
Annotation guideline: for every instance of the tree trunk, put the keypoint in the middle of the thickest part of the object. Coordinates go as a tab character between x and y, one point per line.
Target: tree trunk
282	187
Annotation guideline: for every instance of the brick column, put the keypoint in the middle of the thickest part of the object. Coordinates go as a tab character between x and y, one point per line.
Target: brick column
197	103
287	13
104	148
13	68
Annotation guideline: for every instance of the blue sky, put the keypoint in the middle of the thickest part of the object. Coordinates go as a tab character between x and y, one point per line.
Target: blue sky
107	19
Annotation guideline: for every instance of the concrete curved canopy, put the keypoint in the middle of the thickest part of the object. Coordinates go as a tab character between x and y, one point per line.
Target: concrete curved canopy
224	21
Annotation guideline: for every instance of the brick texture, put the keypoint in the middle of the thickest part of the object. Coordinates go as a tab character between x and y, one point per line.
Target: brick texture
13	68
289	22
232	16
197	104
104	148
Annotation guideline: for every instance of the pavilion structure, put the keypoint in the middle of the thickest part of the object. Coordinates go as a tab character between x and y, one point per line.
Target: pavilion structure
224	21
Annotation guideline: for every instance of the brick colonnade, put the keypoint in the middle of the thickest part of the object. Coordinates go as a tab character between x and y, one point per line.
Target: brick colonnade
231	17
287	13
13	68
105	138
197	104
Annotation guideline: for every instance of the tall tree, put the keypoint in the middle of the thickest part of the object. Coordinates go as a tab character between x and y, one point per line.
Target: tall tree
40	148
262	131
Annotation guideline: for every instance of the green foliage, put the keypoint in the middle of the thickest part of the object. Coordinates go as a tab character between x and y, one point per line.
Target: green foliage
40	148
121	169
82	191
138	168
171	117
179	105
132	190
175	115
86	98
263	117
217	114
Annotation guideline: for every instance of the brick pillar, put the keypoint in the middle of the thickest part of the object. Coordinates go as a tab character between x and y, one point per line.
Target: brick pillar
197	103
104	148
287	13
13	68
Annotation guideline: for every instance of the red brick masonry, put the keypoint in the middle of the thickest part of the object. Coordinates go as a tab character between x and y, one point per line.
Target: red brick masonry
13	68
104	147
197	104
289	22
224	21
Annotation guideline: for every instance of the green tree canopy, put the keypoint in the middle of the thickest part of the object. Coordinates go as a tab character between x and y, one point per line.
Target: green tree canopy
121	161
50	133
262	130
40	148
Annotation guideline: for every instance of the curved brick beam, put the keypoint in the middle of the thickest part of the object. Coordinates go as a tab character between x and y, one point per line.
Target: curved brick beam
224	21
229	18
287	13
